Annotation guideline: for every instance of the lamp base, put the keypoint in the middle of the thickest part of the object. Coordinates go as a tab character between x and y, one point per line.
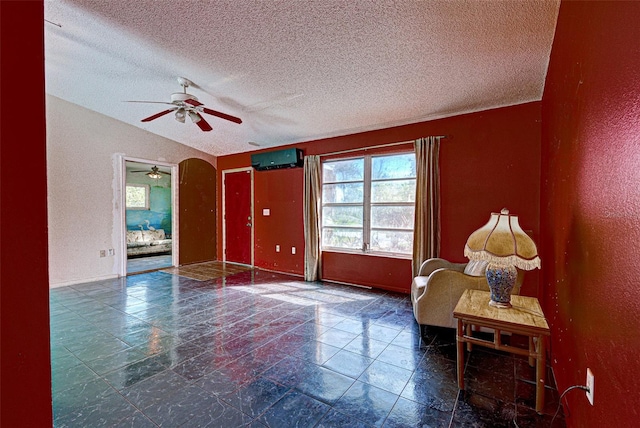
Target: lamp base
501	280
500	305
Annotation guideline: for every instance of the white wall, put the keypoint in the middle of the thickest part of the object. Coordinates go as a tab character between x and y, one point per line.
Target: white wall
83	168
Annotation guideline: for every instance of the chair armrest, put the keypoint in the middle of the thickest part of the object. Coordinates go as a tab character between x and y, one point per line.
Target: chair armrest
455	282
418	288
435	296
430	265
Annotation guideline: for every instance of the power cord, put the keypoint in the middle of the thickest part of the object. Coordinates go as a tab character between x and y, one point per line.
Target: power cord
583	387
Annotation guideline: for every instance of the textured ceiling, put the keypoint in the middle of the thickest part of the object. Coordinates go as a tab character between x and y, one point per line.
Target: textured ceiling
296	70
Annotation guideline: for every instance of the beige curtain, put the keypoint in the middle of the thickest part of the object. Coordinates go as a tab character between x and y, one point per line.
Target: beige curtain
426	229
312	189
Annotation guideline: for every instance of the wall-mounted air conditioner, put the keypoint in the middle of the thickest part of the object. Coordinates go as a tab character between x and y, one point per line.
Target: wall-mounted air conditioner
286	158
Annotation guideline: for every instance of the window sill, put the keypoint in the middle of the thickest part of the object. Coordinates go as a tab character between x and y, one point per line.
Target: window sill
368	253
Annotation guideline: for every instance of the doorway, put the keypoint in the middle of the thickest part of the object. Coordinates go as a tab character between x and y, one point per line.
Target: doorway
149	215
237	206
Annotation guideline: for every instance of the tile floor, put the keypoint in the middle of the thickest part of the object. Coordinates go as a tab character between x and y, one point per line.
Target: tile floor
207	271
141	264
262	349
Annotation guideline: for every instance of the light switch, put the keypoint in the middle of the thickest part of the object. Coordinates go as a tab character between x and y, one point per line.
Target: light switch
266	212
293	250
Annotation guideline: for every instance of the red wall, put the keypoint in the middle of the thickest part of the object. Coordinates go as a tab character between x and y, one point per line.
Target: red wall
591	208
489	160
281	192
25	370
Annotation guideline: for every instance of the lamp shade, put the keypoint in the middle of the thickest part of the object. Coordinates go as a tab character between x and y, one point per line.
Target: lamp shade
503	242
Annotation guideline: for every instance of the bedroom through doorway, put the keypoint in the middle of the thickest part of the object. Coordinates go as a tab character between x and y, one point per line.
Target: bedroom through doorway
148	216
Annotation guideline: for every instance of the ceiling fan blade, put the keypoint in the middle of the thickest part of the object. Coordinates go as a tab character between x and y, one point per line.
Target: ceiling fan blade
213	112
222	115
157	115
149	102
193	102
203	124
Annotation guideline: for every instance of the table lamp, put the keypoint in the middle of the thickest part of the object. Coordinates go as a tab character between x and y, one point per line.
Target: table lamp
505	246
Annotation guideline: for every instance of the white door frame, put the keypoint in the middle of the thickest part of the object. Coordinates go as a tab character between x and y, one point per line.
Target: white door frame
121	210
224	211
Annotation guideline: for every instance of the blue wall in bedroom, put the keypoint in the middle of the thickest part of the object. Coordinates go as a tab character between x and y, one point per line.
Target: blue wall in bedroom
159	213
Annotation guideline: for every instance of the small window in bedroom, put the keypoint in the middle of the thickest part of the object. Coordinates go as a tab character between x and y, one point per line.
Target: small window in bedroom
137	197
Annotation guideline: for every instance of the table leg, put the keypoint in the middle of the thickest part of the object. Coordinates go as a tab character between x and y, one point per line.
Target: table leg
541	370
460	347
531	351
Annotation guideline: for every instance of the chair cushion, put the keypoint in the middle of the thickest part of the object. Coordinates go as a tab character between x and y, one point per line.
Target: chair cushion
476	267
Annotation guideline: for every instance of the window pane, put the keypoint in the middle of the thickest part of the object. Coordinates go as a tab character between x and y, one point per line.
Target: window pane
392	241
390	217
394	166
346	170
136	197
342	216
342	238
342	193
378	213
393	191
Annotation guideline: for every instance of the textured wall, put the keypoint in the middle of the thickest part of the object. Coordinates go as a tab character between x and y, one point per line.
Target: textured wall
25	369
284	226
491	160
591	208
82	165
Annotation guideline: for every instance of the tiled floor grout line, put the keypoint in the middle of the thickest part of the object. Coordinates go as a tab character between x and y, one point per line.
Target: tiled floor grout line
193	303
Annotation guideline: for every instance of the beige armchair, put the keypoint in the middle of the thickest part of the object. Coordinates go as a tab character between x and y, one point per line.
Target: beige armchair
439	285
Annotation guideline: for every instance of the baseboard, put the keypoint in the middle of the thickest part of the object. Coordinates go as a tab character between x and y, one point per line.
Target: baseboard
370	286
82	281
366	287
276	271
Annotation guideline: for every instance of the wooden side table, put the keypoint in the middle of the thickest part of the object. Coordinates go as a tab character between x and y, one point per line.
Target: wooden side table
525	318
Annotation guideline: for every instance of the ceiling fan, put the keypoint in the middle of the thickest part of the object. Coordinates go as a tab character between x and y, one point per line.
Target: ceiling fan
184	105
155	172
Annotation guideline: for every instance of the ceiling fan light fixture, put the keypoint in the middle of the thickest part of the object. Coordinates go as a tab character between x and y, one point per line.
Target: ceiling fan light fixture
180	114
183	103
155	175
195	118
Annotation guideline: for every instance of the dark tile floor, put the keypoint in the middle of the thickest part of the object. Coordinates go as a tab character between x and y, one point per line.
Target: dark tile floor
262	349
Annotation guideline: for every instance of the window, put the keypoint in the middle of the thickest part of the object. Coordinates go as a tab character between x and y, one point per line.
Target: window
368	203
137	197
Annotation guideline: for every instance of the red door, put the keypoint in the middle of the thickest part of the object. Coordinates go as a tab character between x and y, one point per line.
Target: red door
238	220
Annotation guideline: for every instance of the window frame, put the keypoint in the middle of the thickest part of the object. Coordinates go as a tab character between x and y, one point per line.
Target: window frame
147	204
367	205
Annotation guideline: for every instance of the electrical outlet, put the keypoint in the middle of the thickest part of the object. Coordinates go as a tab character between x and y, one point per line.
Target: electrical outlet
103	253
112	252
293	250
277	248
590	381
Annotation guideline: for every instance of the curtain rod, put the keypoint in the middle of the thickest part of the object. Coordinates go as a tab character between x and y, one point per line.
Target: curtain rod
400	143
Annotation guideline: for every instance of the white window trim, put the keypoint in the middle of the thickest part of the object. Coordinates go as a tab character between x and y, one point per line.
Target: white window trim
147	205
366	209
